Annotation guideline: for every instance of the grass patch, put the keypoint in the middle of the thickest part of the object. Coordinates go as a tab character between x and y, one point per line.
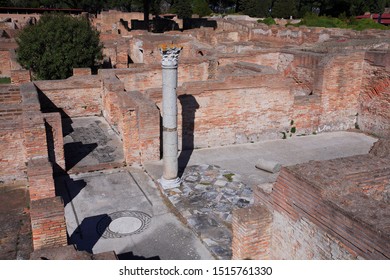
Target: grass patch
267	21
313	20
5	80
229	177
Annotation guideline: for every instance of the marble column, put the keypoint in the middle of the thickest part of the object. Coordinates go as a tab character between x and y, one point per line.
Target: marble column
170	55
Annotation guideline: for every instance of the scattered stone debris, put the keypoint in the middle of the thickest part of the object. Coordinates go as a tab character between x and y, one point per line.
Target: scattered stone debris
206	198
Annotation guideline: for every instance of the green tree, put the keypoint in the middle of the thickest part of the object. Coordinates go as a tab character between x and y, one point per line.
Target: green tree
256	8
57	44
201	8
182	8
284	8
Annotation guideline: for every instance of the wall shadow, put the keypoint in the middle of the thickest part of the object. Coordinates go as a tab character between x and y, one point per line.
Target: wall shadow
191	23
76	151
189	106
73	152
47	106
86	234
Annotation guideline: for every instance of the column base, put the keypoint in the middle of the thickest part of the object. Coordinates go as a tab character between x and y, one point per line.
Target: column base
169	184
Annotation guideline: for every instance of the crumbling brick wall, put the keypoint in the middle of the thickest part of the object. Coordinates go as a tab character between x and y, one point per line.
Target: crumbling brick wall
339	86
5	63
234	110
333	209
374	99
12	151
78	96
134	117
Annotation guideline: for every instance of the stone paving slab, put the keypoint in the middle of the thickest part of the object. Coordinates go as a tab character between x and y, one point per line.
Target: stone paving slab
206	198
90	144
122	210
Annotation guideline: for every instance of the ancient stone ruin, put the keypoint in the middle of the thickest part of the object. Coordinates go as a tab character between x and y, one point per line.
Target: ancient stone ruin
240	82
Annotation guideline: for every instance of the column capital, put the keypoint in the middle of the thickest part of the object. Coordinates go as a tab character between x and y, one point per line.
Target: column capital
170	55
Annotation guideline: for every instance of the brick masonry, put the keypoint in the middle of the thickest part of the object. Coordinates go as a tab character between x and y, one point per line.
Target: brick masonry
241	83
40	179
20	76
344	206
12	152
135	118
252	228
5	63
48	223
78	96
55	140
374	109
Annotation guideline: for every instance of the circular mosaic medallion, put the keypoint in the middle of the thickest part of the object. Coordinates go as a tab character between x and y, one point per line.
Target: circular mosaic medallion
123	223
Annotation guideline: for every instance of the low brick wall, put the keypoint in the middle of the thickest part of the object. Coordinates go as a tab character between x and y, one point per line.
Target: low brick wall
374	111
252	228
40	178
48	223
134	117
20	76
327	216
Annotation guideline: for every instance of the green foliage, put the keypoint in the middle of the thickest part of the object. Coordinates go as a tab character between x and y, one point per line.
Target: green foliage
322	21
5	80
255	8
182	8
290	131
284	8
201	8
57	44
342	22
366	23
267	21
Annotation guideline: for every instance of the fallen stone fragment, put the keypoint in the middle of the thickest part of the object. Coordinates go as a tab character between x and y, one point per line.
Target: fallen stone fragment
268	165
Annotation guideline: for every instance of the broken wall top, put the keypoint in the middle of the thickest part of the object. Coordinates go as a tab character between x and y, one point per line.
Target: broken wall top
358	186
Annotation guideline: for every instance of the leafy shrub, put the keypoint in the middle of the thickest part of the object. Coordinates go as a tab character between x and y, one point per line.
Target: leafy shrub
57	44
267	21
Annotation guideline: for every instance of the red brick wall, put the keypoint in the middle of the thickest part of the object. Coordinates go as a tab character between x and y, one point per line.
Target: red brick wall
141	78
306	114
5	63
48	223
81	71
40	178
374	111
134	117
251	233
34	135
20	76
55	140
76	96
236	110
12	152
308	222
339	90
12	158
302	240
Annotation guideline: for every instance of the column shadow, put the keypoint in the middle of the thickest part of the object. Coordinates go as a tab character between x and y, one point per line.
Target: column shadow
189	106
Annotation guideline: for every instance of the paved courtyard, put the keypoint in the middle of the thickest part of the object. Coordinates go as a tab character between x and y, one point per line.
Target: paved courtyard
122	209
